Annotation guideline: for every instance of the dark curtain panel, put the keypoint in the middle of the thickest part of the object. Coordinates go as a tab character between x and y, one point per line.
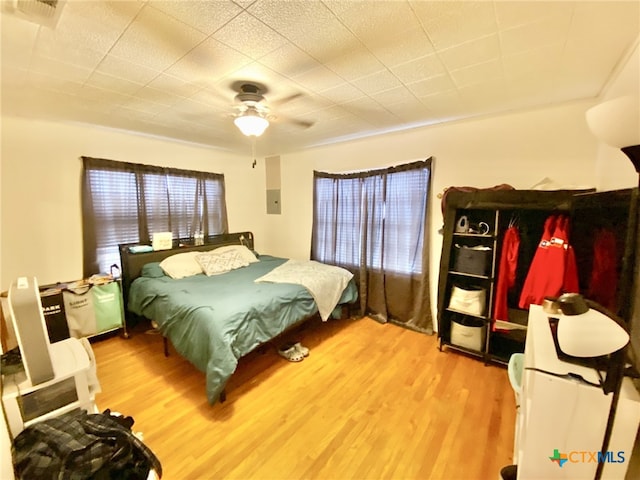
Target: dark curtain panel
373	223
127	202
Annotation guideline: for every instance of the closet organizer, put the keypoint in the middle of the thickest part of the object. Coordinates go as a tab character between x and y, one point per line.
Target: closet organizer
505	250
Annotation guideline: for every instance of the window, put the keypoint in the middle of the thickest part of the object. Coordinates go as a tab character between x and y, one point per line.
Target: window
373	224
374	218
127	203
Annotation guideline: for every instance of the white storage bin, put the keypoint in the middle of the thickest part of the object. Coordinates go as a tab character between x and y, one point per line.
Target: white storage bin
470	335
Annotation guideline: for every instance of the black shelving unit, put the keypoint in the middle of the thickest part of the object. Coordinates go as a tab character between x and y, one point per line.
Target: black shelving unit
488	214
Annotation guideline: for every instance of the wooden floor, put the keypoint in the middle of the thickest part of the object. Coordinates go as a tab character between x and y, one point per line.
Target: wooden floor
371	401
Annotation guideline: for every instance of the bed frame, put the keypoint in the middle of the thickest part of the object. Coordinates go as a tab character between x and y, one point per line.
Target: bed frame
132	263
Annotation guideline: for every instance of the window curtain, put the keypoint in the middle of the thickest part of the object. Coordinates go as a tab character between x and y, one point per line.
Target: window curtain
373	223
127	202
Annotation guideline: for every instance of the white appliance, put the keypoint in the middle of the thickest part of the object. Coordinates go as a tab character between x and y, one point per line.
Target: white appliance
30	327
562	418
74	386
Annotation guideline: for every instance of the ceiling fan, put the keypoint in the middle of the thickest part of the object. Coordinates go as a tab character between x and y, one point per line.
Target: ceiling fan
253	113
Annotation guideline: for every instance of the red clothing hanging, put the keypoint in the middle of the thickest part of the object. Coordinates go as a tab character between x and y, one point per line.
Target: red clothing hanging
603	283
554	269
532	283
556	262
506	272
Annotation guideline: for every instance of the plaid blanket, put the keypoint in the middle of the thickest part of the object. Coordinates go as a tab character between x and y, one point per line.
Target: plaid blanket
78	445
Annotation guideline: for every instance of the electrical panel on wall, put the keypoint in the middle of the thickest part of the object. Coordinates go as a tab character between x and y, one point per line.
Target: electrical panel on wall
272	172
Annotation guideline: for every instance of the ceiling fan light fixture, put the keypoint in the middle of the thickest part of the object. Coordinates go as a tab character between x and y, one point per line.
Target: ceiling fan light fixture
251	123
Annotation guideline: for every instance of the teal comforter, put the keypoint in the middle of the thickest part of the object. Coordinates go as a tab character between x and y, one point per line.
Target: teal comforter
213	321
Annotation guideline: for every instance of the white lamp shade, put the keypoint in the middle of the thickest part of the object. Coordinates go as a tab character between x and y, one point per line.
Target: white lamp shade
591	334
251	124
616	122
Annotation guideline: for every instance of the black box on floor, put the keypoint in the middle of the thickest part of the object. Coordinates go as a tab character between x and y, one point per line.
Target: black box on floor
54	315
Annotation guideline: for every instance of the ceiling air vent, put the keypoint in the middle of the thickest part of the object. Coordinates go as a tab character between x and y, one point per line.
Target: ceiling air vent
42	12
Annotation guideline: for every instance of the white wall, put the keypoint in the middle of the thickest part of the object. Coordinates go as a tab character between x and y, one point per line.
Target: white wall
519	149
614	169
40	190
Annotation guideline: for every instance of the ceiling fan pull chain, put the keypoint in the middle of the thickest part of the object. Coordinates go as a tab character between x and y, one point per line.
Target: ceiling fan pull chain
253	151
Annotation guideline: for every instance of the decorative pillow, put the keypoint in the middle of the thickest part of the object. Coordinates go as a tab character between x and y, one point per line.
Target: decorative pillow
152	270
244	253
215	262
181	265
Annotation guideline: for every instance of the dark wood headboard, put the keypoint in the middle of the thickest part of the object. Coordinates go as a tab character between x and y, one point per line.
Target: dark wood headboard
132	263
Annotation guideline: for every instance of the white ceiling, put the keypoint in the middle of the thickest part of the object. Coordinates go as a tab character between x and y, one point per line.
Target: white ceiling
165	67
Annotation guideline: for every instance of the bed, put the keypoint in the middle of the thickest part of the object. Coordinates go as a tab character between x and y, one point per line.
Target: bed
214	320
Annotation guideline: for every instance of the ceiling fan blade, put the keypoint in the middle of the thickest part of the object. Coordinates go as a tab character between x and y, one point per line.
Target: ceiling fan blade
287	99
298	123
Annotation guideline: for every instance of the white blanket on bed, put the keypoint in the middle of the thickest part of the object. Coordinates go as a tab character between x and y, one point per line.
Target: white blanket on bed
325	283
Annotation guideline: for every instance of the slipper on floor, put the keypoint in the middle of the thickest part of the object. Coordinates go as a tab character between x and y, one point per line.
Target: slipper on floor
302	349
291	353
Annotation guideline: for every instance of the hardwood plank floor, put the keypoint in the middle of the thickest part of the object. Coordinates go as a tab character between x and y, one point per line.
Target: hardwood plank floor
371	401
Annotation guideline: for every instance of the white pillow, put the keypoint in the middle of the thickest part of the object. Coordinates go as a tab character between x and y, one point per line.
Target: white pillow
216	262
244	253
181	265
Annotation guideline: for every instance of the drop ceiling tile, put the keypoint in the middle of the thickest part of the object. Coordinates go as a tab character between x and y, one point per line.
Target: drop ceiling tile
174	85
204	15
372	20
156	40
410	111
356	63
60	70
463	22
161	97
447	105
395	96
548	31
419	69
318	79
405	46
310	25
208	62
478	51
485	97
479	73
78	54
217	97
438	83
289	60
128	117
344	92
72	29
377	82
531	91
108	82
610	30
141	105
514	14
537	63
194	110
98	98
121	68
43	82
257	39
